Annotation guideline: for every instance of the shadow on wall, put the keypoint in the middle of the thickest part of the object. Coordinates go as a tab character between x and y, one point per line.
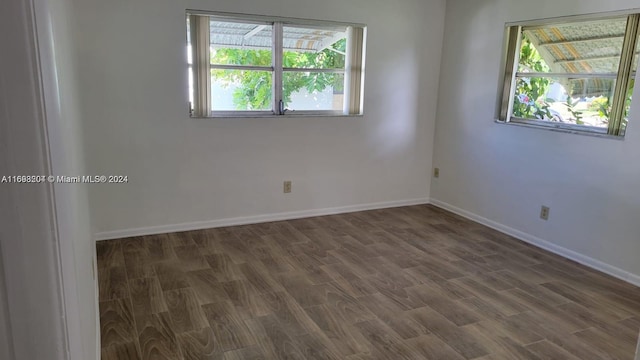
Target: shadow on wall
486	62
403	90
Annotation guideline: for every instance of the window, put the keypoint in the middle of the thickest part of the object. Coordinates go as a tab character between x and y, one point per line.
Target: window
245	65
576	74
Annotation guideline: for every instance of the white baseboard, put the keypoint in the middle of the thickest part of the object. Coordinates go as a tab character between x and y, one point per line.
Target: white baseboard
199	225
544	244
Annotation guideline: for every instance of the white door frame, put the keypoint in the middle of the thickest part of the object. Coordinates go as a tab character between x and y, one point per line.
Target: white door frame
6	342
31	266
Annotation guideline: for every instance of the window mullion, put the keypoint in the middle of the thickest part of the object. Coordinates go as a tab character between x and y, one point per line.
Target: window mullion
624	74
277	53
567	75
241	67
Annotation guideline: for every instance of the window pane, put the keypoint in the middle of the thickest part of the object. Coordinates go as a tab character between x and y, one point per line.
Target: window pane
577	47
235	43
313	90
564	100
241	90
310	48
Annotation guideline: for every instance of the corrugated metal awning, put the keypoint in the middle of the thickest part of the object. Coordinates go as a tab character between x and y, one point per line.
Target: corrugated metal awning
591	47
259	36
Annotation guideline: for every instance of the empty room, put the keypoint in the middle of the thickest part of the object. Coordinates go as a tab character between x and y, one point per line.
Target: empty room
338	179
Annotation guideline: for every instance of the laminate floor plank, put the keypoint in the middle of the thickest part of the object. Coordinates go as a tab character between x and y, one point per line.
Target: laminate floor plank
554	314
248	353
190	258
113	283
171	276
290	314
413	282
631	323
126	350
302	290
146	296
315	346
280	343
257	275
503	302
431	347
609	343
448	308
245	298
546	350
109	253
185	311
345	306
117	324
199	345
581	348
223	267
156	337
497	340
392	315
348	280
159	248
343	334
130	244
459	338
207	286
596	303
183	238
230	332
235	248
385	340
197	236
137	264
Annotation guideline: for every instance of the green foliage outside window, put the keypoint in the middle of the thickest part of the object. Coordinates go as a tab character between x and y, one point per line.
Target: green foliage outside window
529	101
254	87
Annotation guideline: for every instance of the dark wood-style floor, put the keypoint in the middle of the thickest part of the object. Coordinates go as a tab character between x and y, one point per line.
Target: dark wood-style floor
405	283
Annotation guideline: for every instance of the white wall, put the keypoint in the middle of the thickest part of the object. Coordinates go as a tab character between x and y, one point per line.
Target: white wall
64	130
505	173
133	89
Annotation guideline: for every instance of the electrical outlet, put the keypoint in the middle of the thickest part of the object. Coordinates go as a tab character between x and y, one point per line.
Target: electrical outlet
544	212
287	187
436	172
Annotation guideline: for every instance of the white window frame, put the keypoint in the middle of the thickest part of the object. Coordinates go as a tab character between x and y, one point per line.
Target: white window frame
623	76
353	71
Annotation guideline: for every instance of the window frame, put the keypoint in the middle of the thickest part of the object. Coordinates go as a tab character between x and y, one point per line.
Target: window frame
353	70
625	74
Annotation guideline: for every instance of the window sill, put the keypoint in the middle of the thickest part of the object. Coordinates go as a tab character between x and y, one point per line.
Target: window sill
273	116
563	128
